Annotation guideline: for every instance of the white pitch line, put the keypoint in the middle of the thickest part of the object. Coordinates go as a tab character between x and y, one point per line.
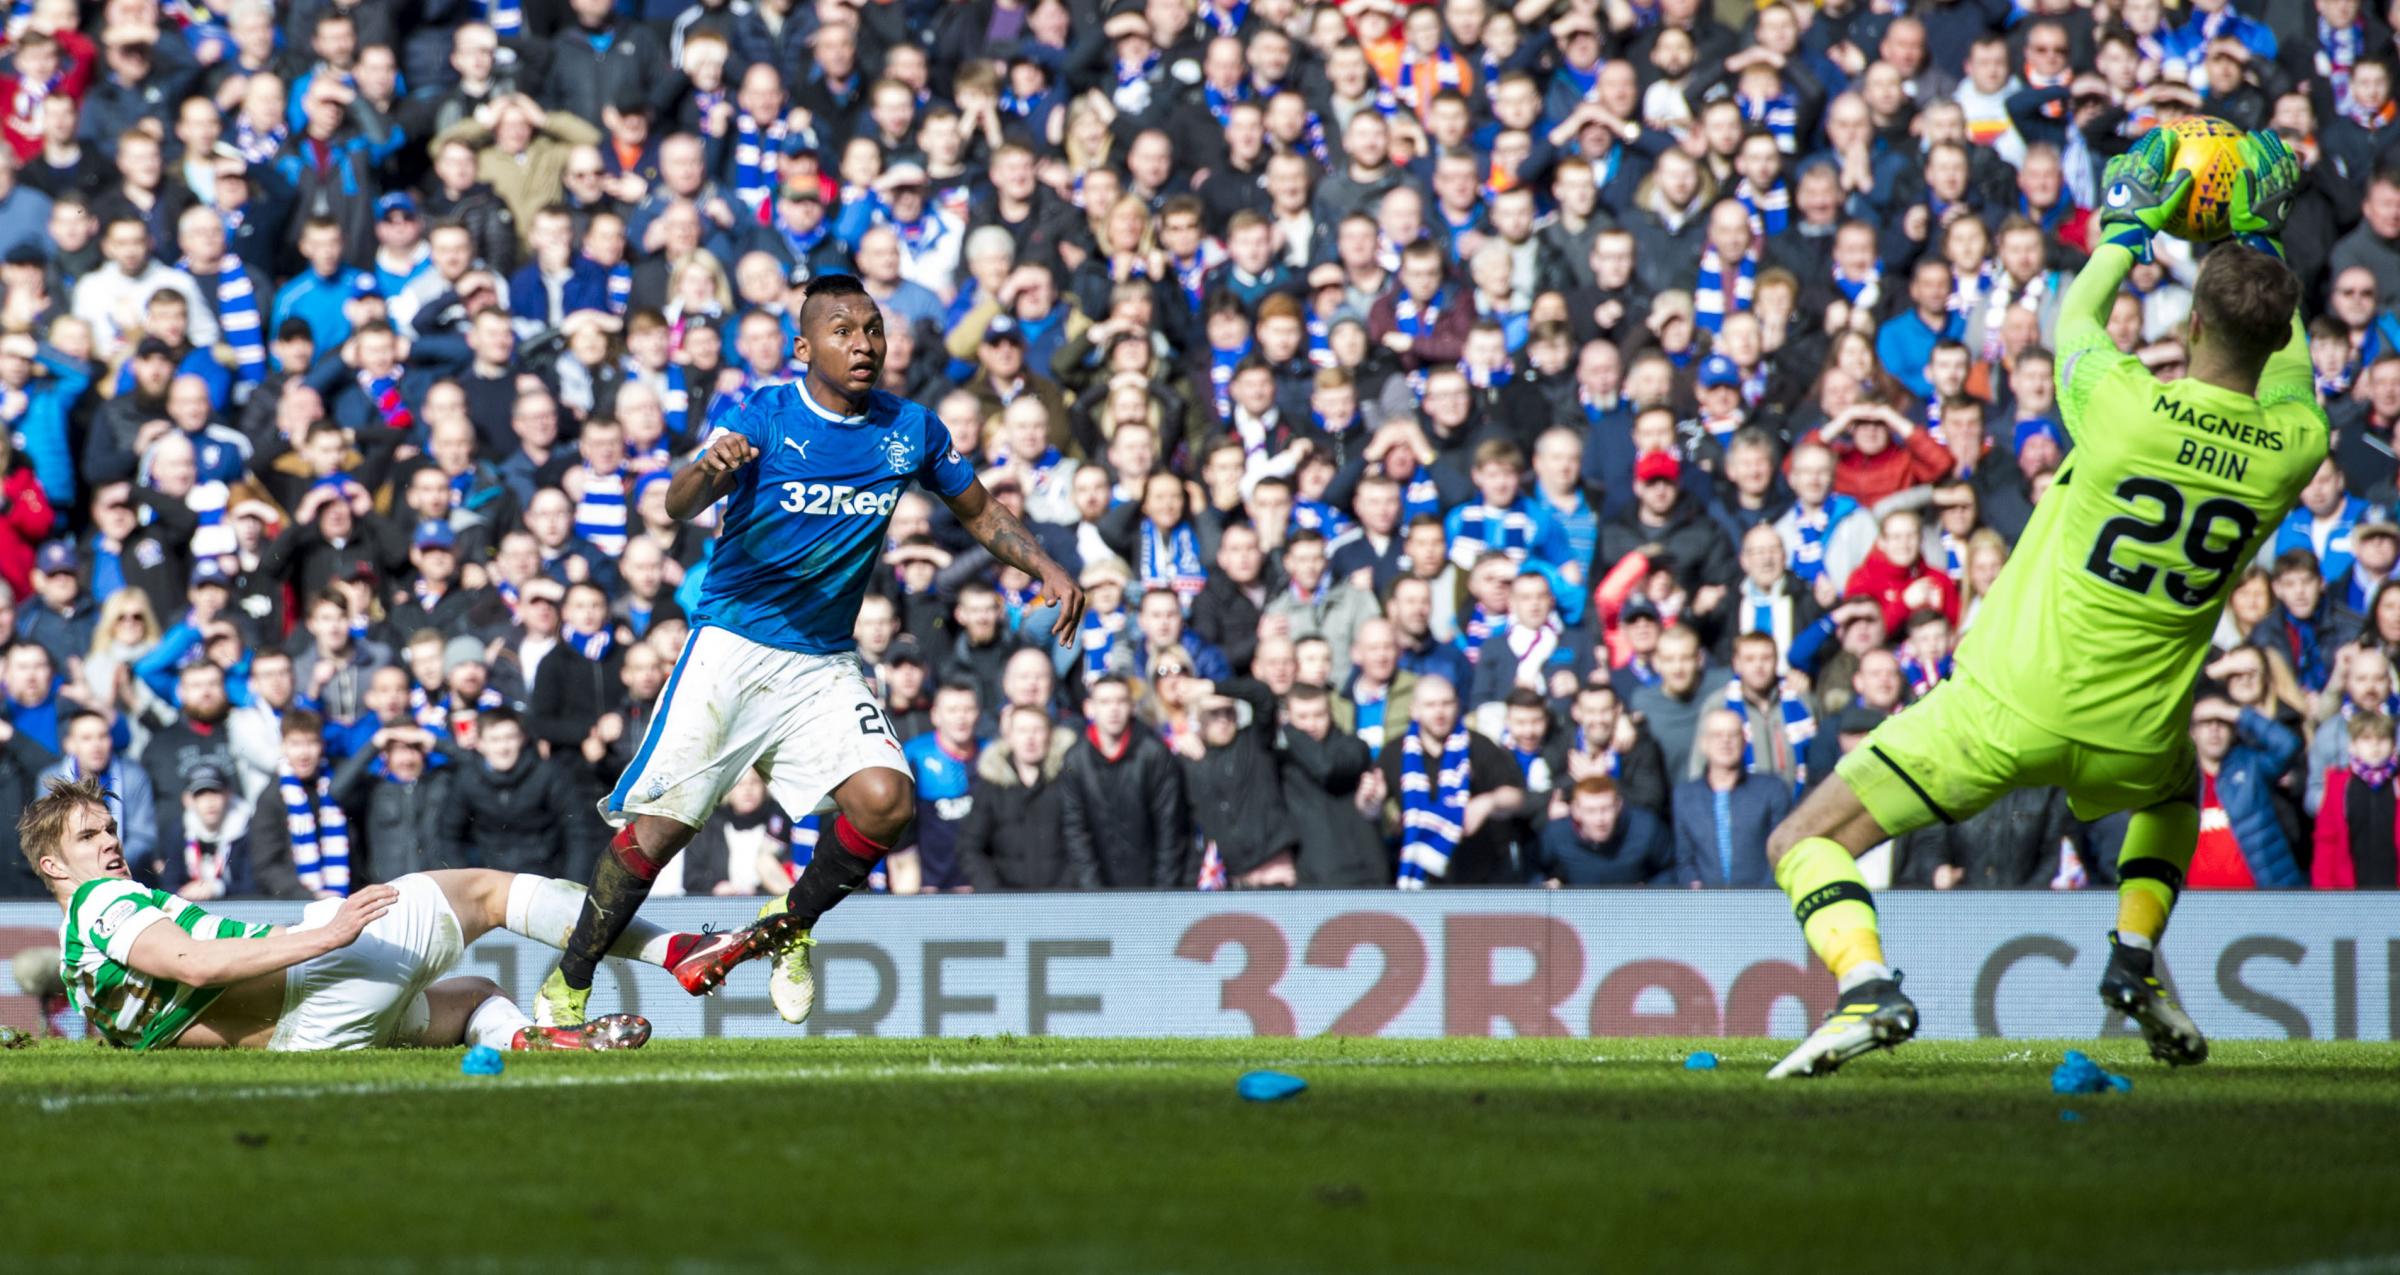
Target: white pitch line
54	1103
559	1080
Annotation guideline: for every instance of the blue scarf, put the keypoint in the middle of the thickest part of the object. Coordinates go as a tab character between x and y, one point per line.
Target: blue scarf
1417	321
1422	495
1486	378
1320	343
1448	73
1798	728
1433	806
1860	292
757	155
1779	115
918	237
1099	642
1770	210
1192	277
674	396
237	315
2338	50
319	832
1173	560
620	288
1483	527
1221	364
1312	136
601	515
1220	104
1222	23
1318	516
1808	561
593	646
1709	300
507	17
1472	631
257	147
803	243
1920	678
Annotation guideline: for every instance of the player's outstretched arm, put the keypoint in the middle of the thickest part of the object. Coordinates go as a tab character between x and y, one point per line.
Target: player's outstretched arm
998	530
165	951
709	477
2140	192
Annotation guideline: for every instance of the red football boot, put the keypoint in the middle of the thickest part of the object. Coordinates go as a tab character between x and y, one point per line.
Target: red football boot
608	1031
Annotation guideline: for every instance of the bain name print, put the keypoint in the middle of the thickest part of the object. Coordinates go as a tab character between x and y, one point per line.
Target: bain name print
2219	462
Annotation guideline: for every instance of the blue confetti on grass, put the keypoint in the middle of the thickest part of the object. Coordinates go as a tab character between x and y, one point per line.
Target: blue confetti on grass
1269	1086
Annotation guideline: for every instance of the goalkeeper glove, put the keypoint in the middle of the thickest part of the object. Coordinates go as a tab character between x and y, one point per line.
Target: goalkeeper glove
2263	196
2141	192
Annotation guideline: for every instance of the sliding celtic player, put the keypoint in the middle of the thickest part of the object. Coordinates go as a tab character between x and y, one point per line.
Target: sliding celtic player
2080	669
154	971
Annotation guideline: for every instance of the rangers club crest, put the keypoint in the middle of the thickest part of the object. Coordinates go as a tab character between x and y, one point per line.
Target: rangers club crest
899	454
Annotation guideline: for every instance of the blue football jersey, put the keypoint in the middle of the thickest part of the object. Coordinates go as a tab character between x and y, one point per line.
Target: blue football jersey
804	527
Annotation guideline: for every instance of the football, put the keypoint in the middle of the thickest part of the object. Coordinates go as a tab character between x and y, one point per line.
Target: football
2211	150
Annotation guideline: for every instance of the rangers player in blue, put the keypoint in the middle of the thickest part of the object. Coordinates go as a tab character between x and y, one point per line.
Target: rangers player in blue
809	472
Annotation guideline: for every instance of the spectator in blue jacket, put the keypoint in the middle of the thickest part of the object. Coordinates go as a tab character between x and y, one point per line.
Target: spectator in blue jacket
320	295
1722	818
1905	342
1603	841
38	405
2322	522
2242	753
558	281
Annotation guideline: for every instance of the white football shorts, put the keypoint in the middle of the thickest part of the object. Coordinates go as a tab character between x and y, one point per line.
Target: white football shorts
804	722
371	994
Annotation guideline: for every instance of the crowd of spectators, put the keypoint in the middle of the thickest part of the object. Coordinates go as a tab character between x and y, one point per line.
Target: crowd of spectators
1503	445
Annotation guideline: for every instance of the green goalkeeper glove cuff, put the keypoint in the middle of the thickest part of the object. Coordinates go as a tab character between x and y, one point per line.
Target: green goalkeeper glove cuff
2267	244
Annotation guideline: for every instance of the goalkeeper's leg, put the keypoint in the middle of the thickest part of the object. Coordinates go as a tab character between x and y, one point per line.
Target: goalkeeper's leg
2159	843
1815	856
1942	761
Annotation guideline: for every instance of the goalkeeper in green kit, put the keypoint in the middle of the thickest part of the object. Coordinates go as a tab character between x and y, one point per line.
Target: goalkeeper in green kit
2080	669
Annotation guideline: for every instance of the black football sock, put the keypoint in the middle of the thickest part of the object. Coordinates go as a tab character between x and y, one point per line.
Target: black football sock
836	871
619	887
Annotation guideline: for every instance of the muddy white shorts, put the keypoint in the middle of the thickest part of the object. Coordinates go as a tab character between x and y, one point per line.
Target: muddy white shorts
804	722
371	994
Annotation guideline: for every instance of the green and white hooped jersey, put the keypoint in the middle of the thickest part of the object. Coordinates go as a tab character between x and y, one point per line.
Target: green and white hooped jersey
132	1009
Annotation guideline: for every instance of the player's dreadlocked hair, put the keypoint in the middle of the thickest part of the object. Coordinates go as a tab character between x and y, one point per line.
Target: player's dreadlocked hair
42	829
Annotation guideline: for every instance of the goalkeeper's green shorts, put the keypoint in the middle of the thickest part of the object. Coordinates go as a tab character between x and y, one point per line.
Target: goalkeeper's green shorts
1960	749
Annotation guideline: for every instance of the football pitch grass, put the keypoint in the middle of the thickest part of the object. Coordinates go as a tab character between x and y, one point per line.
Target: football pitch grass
1012	1154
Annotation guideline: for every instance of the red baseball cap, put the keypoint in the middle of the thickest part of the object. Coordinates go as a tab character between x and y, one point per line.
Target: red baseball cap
1658	467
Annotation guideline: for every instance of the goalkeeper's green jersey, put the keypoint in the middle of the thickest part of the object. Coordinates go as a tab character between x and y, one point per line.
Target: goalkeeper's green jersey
2099	626
131	1009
